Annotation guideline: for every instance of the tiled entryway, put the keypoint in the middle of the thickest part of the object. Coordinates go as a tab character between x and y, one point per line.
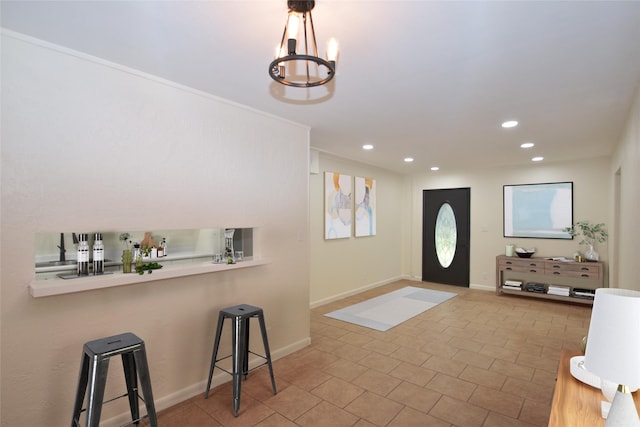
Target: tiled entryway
474	360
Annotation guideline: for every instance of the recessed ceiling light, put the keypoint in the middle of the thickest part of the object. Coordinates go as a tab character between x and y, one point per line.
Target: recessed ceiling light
537	159
510	124
435	168
408	159
367	147
527	145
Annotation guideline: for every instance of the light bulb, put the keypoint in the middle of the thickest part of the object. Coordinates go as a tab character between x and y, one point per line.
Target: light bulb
280	52
332	49
292	25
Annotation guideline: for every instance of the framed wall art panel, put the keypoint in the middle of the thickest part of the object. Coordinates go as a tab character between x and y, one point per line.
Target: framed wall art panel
365	206
338	204
538	210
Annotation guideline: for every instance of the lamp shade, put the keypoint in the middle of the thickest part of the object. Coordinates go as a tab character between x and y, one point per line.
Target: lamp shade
613	344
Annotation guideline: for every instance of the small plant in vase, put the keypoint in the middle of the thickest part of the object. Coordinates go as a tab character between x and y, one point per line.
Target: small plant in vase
591	233
127	256
147	245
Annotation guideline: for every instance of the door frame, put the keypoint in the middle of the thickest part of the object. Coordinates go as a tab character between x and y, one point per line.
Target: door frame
460	200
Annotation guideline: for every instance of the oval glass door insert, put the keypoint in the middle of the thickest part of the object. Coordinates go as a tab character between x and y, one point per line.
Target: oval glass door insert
446	235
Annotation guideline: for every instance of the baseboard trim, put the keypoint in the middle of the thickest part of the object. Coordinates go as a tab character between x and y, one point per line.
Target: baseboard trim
355	291
198	388
351	292
482	287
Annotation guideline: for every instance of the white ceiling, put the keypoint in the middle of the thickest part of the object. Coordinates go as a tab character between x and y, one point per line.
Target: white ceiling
427	79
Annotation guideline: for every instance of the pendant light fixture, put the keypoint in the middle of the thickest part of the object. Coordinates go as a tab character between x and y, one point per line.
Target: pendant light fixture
305	69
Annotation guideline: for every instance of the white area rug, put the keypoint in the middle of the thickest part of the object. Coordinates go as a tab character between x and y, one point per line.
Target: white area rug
388	310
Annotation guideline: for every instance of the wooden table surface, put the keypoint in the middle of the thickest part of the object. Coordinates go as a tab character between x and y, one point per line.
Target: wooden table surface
576	404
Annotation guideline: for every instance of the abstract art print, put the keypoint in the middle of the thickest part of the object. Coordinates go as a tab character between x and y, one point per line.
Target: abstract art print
365	206
338	205
540	211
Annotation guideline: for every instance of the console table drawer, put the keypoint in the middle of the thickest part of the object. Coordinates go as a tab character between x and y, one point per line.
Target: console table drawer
582	275
578	269
523	269
524	263
576	274
585	267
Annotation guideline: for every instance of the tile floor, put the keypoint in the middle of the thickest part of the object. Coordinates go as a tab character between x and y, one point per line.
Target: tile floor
475	360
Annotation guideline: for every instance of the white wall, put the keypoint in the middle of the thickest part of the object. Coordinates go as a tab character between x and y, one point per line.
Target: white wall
88	145
346	266
342	267
591	200
626	162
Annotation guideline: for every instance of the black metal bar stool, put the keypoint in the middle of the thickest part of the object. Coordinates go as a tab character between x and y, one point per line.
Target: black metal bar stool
93	373
240	315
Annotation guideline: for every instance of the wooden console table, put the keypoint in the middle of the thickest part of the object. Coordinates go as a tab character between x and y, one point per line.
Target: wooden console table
574	403
588	275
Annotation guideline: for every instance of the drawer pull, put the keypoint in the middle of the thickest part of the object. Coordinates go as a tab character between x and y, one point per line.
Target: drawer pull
533	271
556	266
508	268
584	275
509	262
557	273
585	269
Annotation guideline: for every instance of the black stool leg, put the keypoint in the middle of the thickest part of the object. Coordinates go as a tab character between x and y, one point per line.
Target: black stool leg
98	368
265	341
245	361
214	354
82	388
140	359
238	361
130	376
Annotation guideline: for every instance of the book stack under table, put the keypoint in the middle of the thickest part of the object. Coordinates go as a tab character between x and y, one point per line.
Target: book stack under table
584	293
538	288
550	289
559	290
512	284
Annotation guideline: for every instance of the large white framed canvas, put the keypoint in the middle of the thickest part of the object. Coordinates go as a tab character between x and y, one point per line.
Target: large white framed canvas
337	205
365	206
539	211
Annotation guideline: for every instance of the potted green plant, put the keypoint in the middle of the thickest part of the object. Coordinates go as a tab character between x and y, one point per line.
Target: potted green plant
147	245
591	233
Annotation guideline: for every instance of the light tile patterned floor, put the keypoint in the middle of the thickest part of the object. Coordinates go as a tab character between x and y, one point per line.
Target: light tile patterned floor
475	360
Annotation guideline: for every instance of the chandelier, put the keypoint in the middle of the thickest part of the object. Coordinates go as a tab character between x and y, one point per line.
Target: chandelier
306	69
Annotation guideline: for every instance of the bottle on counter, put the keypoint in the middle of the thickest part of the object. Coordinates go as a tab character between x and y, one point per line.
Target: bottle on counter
160	251
164	246
83	254
139	264
136	251
98	254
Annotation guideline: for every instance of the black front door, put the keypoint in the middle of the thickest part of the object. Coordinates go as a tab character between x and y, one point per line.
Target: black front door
445	236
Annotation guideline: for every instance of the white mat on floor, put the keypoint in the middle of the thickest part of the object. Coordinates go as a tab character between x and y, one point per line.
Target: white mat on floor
388	310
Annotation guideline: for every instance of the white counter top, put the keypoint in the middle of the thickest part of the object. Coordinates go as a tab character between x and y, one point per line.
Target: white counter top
56	286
